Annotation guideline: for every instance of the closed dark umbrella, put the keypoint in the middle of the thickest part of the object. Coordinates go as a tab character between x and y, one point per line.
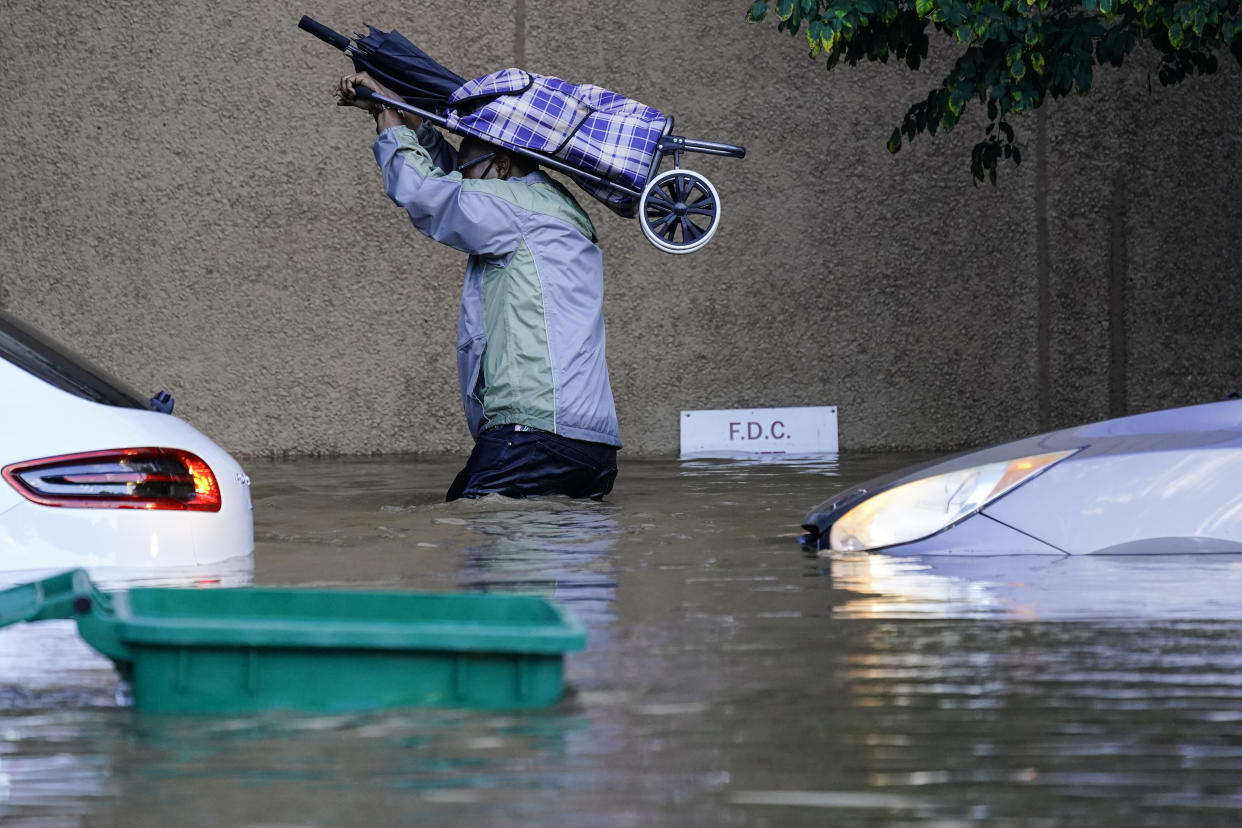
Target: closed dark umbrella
395	62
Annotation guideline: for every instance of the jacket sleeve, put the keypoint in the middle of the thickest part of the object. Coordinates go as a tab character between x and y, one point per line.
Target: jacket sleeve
470	215
441	152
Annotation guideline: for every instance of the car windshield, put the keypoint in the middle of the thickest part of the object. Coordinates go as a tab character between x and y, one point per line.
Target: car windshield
55	364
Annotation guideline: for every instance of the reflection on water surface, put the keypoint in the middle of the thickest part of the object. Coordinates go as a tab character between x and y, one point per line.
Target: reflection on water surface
730	677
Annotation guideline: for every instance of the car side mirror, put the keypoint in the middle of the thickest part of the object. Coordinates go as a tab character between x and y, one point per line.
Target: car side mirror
162	403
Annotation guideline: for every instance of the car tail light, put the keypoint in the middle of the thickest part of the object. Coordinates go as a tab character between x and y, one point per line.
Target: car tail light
133	478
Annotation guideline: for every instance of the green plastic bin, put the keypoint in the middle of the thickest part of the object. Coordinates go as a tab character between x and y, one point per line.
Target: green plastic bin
239	650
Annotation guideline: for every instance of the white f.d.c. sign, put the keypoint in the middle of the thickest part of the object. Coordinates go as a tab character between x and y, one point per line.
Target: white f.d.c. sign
740	432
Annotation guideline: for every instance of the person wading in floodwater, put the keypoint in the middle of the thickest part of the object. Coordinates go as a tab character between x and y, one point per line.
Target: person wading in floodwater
530	334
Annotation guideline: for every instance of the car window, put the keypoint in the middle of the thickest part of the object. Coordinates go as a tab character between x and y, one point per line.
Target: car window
53	363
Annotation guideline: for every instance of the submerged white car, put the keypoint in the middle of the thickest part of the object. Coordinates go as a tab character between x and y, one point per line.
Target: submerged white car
94	475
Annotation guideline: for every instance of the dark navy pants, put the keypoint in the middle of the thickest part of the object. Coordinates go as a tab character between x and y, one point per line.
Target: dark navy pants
529	463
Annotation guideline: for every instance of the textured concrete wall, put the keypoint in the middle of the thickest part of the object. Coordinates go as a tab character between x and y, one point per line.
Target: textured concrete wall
181	200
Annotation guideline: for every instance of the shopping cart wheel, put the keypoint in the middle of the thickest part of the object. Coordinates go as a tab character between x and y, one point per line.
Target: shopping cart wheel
679	211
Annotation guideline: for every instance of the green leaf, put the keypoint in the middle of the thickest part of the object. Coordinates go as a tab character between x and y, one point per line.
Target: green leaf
922	7
757	11
894	141
1082	77
1176	36
957	101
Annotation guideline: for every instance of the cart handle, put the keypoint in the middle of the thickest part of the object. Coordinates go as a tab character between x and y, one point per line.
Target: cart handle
677	143
363	93
322	32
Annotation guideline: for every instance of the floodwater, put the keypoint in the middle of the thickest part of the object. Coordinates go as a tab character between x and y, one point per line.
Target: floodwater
730	677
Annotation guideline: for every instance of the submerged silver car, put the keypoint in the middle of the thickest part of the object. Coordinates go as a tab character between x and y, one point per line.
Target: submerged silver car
1165	482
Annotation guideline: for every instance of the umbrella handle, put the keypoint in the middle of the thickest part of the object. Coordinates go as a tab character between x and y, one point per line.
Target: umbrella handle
322	32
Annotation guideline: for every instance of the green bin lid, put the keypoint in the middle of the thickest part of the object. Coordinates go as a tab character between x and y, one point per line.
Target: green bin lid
302	618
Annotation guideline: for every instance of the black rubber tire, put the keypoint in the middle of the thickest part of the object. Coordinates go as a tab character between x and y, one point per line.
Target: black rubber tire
679	211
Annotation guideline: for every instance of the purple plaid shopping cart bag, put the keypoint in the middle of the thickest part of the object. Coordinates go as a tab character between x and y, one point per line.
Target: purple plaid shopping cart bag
585	126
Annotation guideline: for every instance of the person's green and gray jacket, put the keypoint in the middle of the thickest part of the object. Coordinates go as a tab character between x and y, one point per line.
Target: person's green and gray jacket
530	336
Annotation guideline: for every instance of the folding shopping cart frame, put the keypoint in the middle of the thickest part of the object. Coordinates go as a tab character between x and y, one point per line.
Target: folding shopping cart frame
678	209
